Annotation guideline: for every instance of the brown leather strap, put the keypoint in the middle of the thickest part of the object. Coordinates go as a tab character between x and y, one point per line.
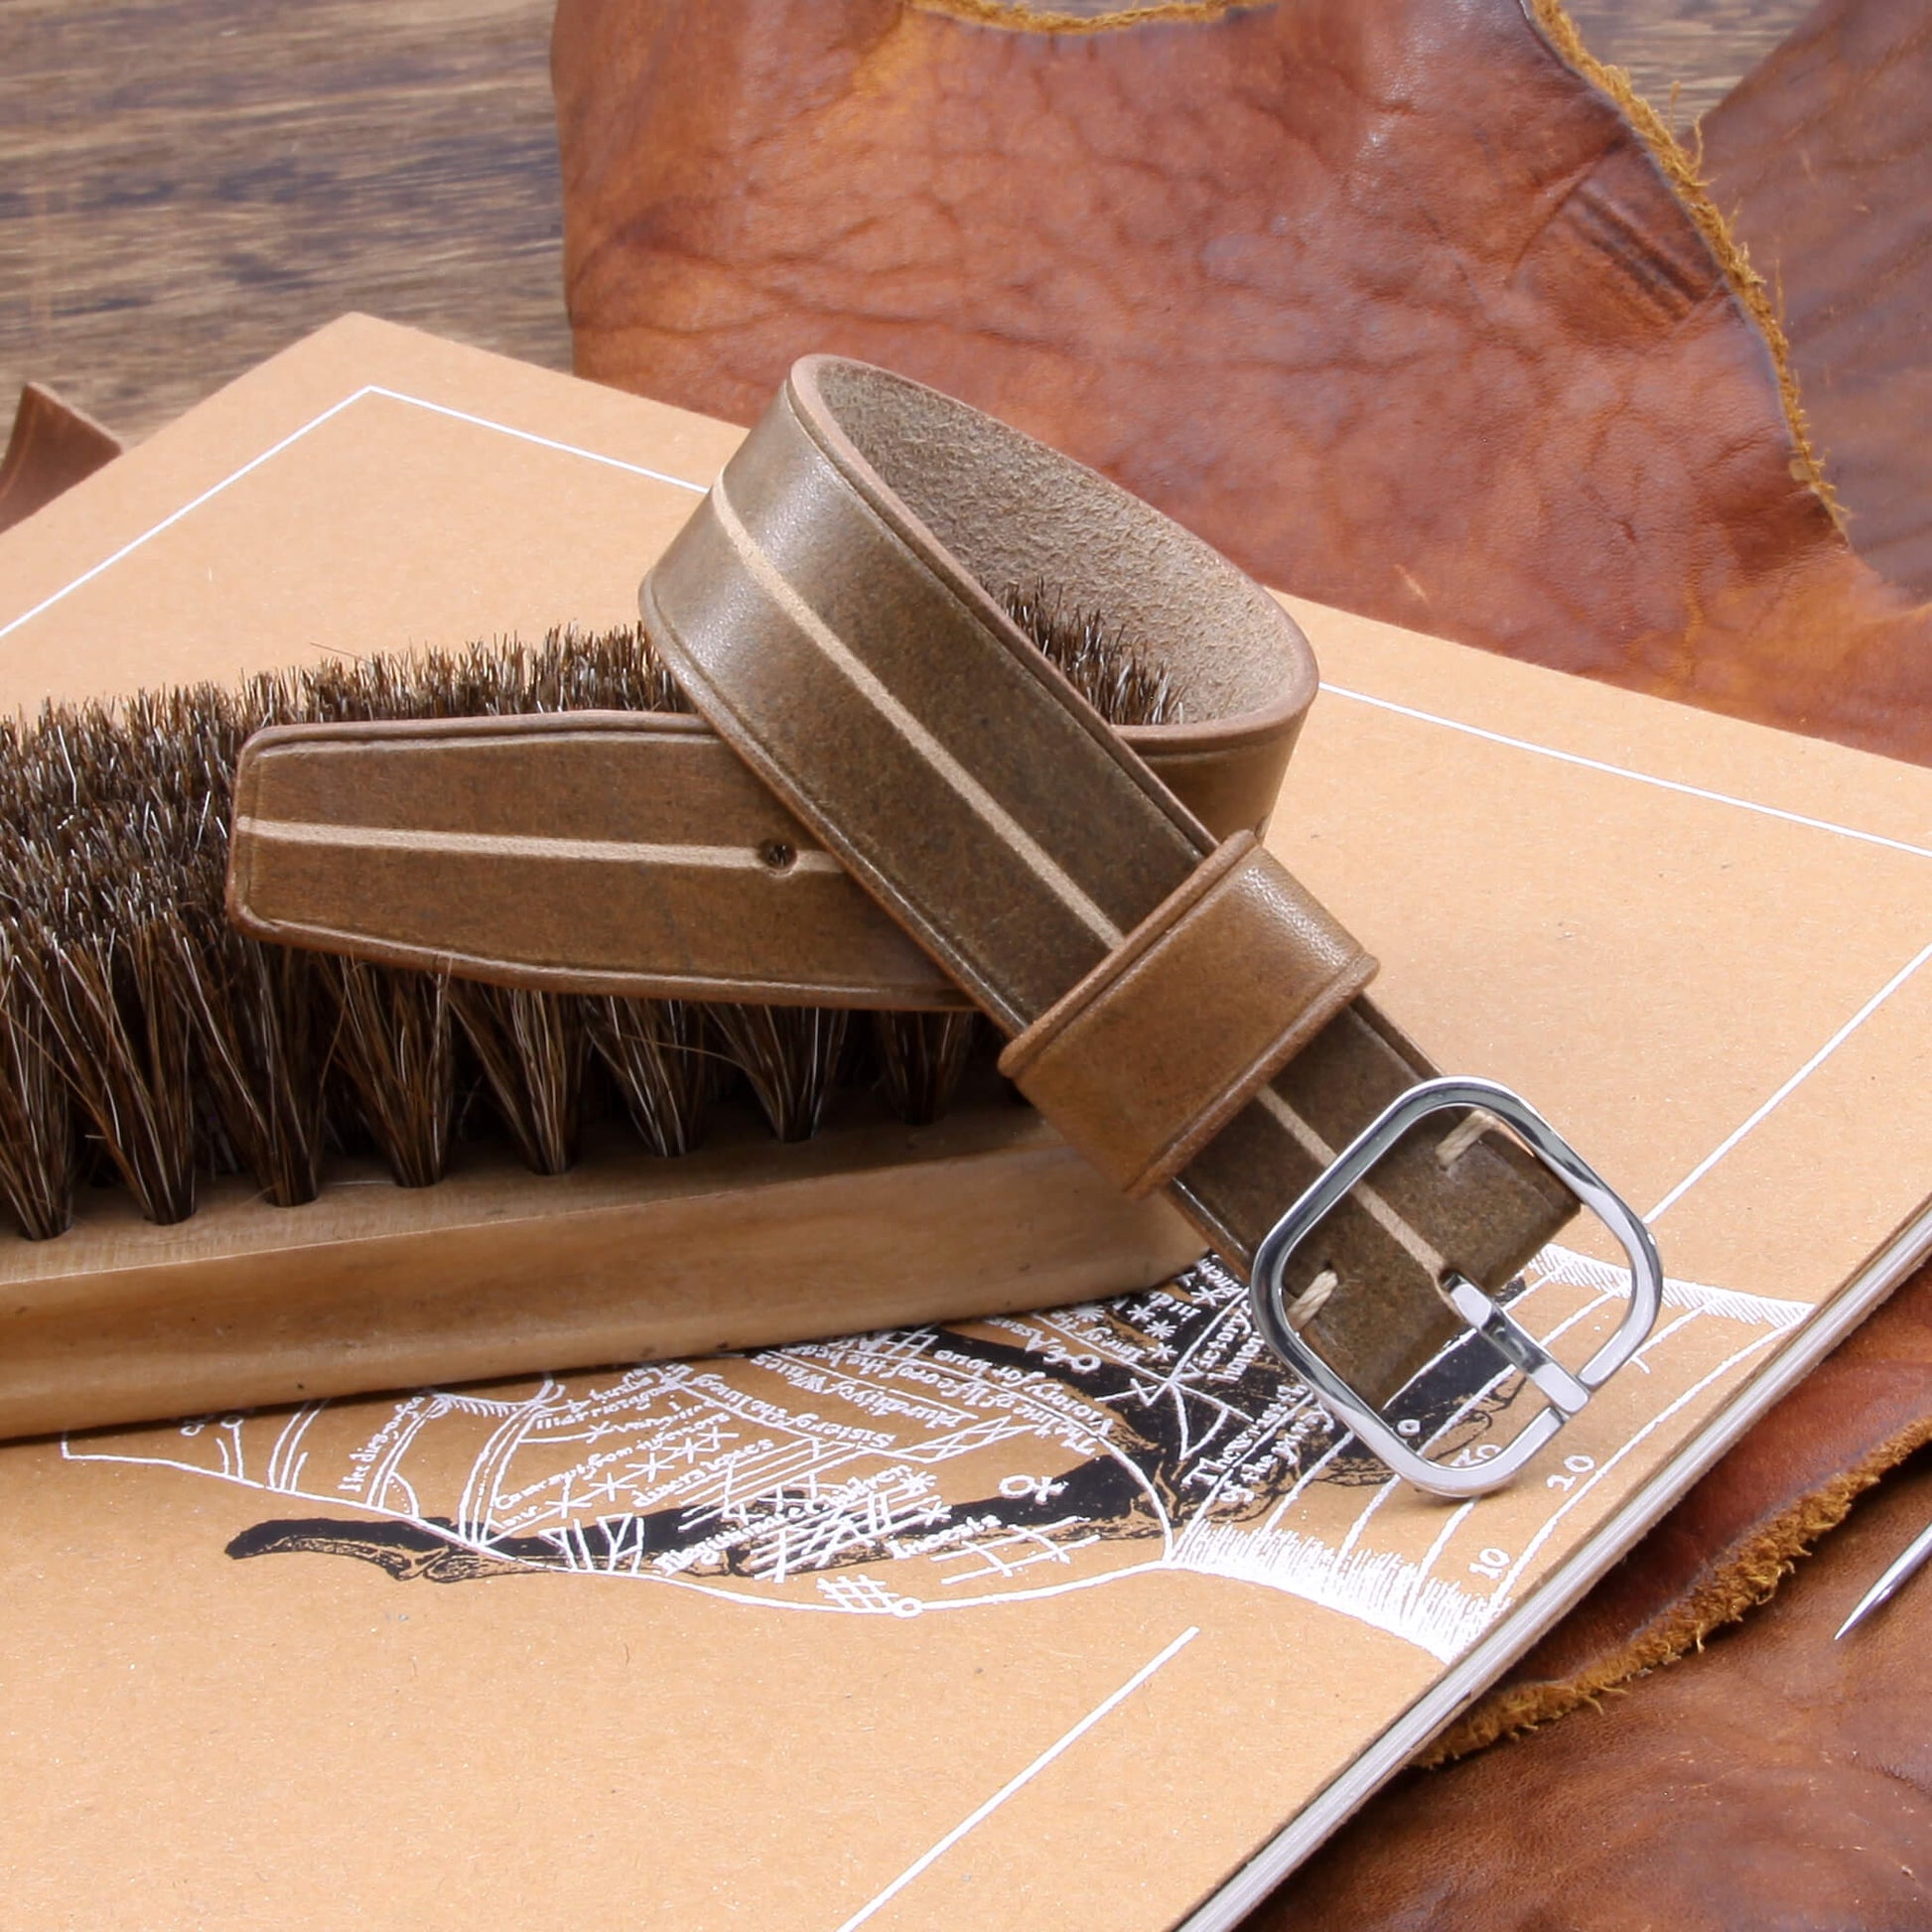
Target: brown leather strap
831	607
634	853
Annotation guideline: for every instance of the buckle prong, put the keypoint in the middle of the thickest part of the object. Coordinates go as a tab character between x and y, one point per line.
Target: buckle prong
1565	1393
1511	1340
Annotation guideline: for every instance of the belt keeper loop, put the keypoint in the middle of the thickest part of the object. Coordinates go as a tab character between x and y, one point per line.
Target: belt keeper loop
1177	1029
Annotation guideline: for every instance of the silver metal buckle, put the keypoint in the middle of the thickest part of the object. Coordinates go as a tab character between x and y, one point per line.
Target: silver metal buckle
1565	1393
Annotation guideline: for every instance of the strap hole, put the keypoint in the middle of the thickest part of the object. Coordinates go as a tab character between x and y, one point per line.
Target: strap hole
778	855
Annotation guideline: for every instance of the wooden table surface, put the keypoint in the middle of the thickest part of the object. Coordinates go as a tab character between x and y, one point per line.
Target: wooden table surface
187	185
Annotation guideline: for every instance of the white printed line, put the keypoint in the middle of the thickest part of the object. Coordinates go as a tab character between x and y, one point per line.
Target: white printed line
542	442
521	845
1031	1771
1836	1041
1501	1600
1437	1547
1639	777
1811	1066
295	436
1454	1418
194	503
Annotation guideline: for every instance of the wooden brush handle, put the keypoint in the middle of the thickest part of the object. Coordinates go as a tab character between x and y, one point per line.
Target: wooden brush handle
497	1271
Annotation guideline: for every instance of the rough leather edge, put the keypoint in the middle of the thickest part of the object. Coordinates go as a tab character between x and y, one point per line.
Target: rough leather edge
1747	1575
42	416
1679	169
1680	166
1014	17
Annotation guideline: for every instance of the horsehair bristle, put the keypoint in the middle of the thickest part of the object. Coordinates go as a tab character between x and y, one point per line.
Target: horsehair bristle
140	1033
922	1058
532	1048
99	902
397	1052
1113	672
125	1048
37	1148
259	1016
656	1053
789	1057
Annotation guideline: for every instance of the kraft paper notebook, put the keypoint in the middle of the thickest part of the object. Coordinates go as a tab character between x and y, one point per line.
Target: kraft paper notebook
1089	1618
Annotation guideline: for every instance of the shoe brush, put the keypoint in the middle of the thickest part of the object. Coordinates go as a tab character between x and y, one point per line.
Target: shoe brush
245	1171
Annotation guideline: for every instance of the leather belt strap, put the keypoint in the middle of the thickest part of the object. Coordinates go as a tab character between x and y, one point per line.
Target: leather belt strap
1177	1004
831	608
634	852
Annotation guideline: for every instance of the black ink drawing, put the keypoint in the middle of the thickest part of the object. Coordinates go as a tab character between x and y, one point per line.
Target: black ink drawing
911	1471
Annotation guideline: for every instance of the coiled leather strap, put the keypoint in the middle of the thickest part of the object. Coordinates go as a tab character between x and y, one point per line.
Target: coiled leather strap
832	608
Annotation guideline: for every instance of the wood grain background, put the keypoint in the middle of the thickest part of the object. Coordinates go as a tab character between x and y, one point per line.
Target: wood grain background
187	185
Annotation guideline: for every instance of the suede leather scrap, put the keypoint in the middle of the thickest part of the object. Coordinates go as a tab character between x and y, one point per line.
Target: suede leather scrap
1821	158
1775	1779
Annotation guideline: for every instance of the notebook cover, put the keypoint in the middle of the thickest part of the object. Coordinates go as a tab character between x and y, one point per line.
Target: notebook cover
1090	1619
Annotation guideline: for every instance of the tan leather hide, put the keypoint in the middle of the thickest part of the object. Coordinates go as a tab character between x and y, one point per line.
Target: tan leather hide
1384	298
1823	159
